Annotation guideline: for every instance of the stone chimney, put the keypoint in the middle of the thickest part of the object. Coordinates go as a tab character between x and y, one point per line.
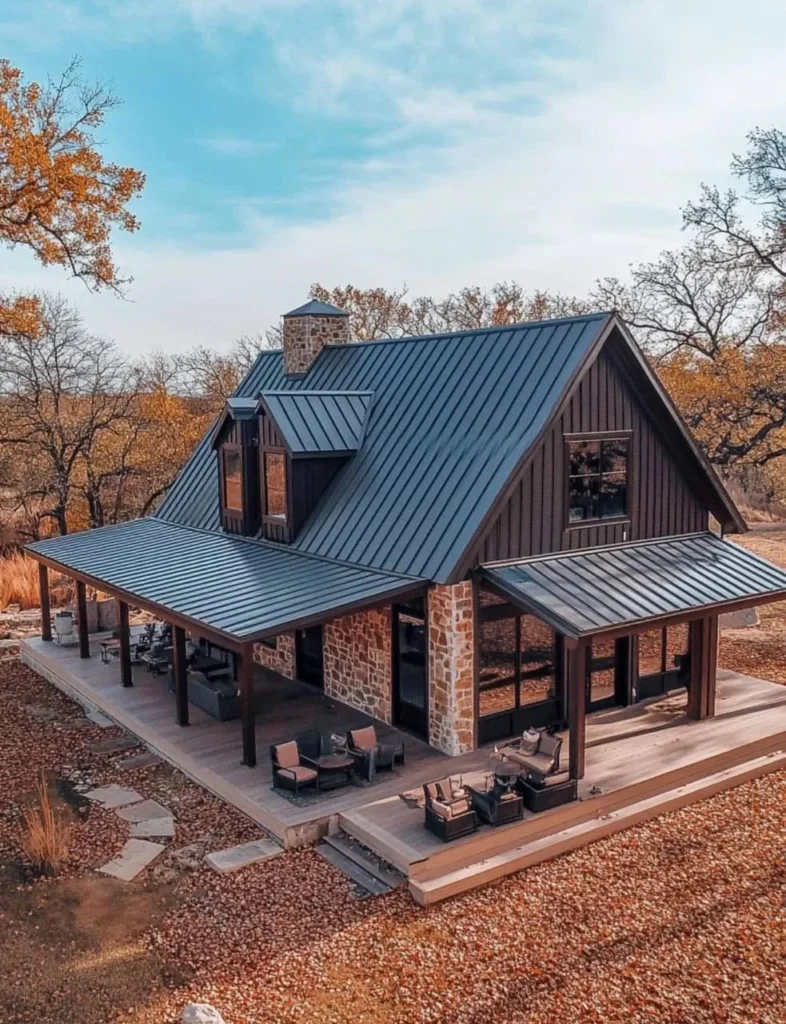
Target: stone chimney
308	329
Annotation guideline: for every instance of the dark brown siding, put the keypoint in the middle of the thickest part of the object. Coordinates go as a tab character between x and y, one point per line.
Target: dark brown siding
310	479
243	434
269	436
532	521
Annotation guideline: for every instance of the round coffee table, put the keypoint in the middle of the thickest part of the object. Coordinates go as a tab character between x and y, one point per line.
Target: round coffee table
505	773
331	769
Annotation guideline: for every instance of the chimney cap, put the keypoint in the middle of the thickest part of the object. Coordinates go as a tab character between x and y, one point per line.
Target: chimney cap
316	308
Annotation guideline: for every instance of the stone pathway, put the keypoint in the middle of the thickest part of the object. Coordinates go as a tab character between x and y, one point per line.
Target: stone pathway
113	796
236	857
145	810
133	858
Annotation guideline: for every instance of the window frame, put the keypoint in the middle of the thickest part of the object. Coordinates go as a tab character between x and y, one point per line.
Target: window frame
599	436
233	513
275	520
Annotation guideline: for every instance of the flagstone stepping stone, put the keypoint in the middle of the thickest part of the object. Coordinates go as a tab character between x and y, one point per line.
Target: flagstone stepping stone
114	796
147	810
114	745
157	827
236	857
133	858
97	718
145	760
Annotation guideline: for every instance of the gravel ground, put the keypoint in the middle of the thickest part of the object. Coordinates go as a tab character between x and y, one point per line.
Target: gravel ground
680	921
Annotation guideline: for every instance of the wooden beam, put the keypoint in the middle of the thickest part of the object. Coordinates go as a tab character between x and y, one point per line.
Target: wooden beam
245	673
712	663
125	644
703	667
180	669
577	709
46	611
81	613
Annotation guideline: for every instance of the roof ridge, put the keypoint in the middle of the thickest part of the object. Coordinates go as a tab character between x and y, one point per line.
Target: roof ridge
578	552
300	392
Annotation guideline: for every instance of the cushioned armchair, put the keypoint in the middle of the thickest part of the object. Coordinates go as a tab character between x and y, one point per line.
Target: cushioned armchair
448	811
537	753
370	755
292	769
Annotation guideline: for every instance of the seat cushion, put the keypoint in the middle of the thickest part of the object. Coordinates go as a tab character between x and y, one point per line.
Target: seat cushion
430	789
549	745
287	755
441	810
445	789
364	739
459	807
538	762
300	772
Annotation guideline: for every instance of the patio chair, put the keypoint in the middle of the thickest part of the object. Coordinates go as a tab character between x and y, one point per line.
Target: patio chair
537	753
370	755
63	625
497	805
448	811
291	769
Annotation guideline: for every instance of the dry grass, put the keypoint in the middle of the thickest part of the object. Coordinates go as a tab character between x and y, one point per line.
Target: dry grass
19	583
46	837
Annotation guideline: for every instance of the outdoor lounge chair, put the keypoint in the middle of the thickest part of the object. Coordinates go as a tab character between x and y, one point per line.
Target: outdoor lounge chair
537	753
497	805
291	769
448	811
370	755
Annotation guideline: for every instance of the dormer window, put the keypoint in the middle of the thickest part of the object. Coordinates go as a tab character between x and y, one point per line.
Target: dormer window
232	460
275	486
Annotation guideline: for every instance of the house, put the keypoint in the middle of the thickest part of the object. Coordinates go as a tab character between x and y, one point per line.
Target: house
462	535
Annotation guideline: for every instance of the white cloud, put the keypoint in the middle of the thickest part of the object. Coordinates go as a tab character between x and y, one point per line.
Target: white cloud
235	145
566	169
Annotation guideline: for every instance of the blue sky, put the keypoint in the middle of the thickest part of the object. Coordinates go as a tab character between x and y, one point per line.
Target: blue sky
391	142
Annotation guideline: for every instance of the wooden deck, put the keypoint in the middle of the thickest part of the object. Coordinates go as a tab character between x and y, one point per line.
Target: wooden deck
209	751
640	762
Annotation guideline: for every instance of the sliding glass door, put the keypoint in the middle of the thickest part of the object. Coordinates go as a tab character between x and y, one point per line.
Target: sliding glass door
410	672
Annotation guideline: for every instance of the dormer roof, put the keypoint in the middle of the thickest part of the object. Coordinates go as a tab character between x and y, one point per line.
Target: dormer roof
319	423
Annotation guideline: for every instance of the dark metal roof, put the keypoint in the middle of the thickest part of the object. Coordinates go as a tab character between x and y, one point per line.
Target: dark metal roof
243	589
581	593
316	308
319	422
242	408
452	417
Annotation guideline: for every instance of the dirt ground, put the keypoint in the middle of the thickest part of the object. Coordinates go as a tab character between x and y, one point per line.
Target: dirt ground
679	921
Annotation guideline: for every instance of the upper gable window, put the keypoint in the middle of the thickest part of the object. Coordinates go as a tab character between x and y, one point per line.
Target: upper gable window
275	485
232	458
597	479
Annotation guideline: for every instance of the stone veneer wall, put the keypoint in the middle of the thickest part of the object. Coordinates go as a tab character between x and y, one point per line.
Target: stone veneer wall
282	659
304	337
358	661
451	642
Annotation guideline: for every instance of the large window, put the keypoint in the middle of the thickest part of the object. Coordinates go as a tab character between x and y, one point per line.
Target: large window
275	485
233	479
597	479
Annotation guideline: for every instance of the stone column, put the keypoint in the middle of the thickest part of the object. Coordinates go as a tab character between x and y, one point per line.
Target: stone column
451	645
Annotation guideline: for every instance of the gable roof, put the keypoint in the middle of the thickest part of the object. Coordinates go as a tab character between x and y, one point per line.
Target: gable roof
454	416
316	308
319	422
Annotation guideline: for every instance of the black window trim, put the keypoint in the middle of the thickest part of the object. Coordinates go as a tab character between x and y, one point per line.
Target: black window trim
598	435
233	513
284	520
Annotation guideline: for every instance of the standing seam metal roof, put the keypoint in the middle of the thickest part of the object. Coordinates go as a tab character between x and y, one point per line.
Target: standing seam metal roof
581	593
451	417
241	588
319	422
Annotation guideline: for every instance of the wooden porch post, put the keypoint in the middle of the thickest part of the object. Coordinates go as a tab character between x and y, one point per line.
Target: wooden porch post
81	612
703	667
125	644
245	669
180	670
46	611
577	708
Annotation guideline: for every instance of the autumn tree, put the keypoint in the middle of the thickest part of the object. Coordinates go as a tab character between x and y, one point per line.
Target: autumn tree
59	198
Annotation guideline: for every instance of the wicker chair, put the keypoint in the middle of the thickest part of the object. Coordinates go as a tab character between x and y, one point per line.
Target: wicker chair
448	811
370	755
292	769
537	753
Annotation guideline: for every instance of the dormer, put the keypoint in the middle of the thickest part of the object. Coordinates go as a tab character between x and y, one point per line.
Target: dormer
236	442
305	439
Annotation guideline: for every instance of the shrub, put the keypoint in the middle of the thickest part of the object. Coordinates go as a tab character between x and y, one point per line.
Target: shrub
19	583
46	833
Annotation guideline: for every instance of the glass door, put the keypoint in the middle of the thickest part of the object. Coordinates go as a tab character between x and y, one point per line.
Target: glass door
308	656
663	660
606	674
410	674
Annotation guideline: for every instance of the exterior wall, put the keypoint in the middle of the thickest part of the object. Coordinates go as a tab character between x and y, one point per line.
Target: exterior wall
358	661
306	336
282	659
451	644
661	500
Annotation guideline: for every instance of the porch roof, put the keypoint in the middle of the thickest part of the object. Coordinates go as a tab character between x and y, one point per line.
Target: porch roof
603	590
241	589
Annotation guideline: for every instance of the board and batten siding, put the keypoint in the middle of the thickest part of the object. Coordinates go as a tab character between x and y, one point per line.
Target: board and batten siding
533	520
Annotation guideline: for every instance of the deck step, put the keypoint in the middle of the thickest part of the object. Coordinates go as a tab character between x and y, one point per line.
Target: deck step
365	859
473	875
369	885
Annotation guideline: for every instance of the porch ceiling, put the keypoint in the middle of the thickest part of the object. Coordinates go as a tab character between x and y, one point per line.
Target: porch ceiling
240	589
583	593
